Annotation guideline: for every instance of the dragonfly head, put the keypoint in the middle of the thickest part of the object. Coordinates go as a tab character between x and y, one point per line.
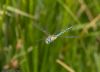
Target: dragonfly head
50	39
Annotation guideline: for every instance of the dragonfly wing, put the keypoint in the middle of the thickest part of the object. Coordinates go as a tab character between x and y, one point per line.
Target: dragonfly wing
69	36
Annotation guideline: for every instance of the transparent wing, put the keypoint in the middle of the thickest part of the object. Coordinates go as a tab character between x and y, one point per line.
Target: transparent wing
40	28
70	36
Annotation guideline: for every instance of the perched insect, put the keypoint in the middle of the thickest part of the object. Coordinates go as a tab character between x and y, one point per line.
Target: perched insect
51	38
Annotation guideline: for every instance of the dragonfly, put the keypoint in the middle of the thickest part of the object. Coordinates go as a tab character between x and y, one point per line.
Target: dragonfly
50	38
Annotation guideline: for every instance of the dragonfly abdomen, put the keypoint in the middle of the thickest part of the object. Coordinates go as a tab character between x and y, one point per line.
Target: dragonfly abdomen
63	31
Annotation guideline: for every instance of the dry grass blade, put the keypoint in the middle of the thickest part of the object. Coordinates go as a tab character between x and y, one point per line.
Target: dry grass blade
64	65
2	13
91	24
85	8
23	53
17	11
81	10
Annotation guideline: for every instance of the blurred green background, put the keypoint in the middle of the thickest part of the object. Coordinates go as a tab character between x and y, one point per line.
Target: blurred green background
25	24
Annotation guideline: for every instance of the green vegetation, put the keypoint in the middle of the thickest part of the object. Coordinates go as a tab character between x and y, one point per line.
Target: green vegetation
25	24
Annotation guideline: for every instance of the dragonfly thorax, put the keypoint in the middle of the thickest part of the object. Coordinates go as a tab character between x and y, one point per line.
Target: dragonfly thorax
51	38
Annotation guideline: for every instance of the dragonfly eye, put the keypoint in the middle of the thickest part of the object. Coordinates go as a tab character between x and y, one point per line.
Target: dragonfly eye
48	40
